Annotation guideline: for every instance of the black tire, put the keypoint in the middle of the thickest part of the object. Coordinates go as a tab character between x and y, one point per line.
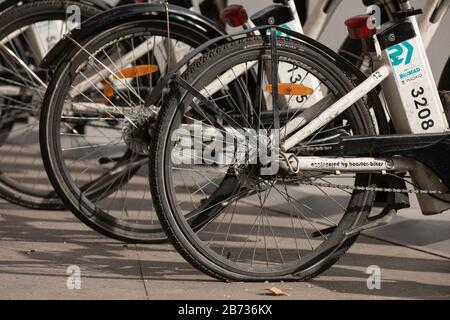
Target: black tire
23	192
72	194
184	236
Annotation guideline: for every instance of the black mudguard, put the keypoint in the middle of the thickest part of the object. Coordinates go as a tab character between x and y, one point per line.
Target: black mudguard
129	13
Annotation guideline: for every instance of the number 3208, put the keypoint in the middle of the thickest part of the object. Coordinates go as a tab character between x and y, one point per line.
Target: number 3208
423	113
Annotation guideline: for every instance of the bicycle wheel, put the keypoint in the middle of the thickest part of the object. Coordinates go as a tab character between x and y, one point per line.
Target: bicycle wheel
95	130
222	214
27	32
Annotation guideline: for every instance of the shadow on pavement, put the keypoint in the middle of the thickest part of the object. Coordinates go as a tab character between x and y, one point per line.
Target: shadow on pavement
40	240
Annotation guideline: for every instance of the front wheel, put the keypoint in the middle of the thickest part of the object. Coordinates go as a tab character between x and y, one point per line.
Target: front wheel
222	214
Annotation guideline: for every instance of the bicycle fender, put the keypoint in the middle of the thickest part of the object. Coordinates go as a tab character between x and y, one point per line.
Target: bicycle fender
124	14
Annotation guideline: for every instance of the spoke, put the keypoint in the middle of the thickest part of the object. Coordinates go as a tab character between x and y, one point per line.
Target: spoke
292	220
23	64
301	213
109	101
91	146
104	67
228	199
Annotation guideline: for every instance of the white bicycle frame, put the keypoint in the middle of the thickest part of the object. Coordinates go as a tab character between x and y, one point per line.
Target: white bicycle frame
375	79
414	106
312	121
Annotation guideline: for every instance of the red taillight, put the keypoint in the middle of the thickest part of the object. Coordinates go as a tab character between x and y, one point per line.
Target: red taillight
235	15
361	27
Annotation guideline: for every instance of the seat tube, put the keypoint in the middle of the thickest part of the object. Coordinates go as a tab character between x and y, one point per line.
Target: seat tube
410	91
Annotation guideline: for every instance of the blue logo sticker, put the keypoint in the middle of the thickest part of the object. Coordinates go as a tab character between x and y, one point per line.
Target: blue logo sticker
401	53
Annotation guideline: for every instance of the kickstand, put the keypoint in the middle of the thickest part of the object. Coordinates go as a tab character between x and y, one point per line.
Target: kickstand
383	218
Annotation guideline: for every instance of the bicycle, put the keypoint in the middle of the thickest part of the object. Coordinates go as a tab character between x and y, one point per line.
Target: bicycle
125	167
94	200
281	193
63	175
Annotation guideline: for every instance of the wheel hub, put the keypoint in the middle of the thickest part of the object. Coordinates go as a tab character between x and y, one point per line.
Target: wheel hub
137	132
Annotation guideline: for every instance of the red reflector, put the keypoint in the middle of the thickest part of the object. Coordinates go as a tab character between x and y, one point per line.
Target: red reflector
235	15
361	27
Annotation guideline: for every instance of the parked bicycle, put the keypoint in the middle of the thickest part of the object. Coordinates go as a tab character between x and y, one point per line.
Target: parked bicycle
94	128
95	131
30	29
119	84
265	189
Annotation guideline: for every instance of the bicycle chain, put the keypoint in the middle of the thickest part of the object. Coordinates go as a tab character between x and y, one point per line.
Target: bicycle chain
375	189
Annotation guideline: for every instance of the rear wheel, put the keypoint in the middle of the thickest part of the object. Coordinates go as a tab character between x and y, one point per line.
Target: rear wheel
222	214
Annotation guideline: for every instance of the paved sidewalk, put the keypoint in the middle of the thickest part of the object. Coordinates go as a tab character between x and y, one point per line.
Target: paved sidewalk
36	248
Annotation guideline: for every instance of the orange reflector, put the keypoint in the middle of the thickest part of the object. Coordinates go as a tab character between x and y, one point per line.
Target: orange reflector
137	71
108	90
292	89
127	73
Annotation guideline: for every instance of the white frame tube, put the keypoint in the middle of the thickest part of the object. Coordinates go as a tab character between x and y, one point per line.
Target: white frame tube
337	108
